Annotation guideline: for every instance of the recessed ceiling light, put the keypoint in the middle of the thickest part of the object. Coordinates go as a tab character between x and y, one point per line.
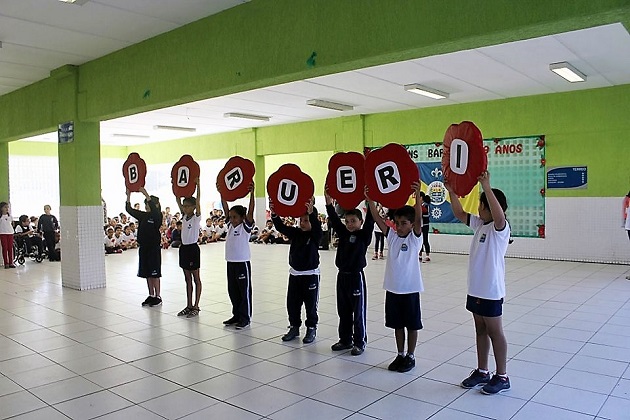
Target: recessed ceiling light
320	103
567	72
426	91
174	128
246	116
75	2
132	136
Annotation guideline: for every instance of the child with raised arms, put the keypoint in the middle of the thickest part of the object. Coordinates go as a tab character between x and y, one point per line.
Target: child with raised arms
403	280
238	255
486	283
149	256
354	241
189	254
303	270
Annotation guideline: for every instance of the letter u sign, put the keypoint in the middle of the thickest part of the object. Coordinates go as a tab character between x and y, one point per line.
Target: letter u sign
288	192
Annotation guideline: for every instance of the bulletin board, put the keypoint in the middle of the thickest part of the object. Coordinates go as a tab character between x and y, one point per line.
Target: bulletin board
516	166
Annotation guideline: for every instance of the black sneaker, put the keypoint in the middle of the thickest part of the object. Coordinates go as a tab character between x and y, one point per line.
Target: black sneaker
147	301
291	334
357	351
241	325
309	337
339	346
476	378
155	301
395	365
231	321
407	364
497	384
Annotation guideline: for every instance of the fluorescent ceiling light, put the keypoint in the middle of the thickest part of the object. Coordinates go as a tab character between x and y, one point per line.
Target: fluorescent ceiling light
174	128
133	136
77	2
246	116
320	103
568	72
426	91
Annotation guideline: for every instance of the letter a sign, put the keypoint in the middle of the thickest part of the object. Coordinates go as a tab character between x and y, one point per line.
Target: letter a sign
235	177
464	157
134	170
389	175
345	179
184	176
289	188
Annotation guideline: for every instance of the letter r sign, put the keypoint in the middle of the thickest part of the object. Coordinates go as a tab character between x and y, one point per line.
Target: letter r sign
389	175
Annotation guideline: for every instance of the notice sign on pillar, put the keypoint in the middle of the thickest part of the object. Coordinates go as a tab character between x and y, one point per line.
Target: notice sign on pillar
184	176
464	157
65	132
389	175
290	189
346	179
135	171
235	177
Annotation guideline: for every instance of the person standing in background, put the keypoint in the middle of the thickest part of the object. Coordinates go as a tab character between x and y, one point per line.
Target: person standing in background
48	225
625	211
6	234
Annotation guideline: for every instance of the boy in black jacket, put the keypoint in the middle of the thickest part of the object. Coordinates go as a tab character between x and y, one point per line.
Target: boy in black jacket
303	271
354	241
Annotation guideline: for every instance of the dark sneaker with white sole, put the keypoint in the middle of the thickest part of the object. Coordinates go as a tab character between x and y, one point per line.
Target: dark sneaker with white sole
231	321
497	384
147	301
476	378
155	301
357	351
291	334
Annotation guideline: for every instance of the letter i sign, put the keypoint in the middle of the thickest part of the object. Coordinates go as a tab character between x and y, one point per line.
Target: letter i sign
135	171
464	157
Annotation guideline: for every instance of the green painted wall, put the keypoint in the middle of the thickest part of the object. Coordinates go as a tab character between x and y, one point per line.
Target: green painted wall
267	42
582	128
36	148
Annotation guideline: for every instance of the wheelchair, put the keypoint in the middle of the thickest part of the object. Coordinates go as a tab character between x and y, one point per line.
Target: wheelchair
21	251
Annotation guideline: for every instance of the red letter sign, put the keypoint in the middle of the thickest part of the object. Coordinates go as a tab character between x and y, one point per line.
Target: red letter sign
346	179
235	177
134	171
290	189
389	175
464	157
184	176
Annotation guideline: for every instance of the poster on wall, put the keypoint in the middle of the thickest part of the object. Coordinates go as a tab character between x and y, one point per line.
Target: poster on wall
516	166
567	177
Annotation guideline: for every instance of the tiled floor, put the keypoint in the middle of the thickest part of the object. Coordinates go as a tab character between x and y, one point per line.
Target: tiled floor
68	354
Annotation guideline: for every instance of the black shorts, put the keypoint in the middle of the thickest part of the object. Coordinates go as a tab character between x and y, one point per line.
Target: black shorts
189	257
150	261
403	311
484	307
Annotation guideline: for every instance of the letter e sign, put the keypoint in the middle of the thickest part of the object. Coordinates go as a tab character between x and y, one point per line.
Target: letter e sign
464	157
345	179
389	175
184	175
135	171
289	188
235	177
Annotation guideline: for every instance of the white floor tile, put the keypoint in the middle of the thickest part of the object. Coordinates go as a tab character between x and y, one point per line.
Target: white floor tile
65	390
396	406
265	400
570	399
349	396
145	389
93	405
533	410
179	403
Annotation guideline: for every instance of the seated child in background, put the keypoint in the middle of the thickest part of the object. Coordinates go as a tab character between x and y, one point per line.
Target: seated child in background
207	232
110	242
164	241
24	232
220	231
253	236
118	235
176	235
129	238
268	234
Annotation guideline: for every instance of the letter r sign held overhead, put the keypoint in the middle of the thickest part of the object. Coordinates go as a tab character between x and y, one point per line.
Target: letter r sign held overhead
235	177
389	175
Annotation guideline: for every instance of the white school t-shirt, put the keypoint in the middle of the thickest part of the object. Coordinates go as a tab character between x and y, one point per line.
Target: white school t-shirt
237	242
6	224
109	242
486	265
402	269
190	229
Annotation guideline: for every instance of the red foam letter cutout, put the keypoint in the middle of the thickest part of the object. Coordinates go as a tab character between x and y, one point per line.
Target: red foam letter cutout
235	177
389	175
464	157
184	176
346	179
290	189
135	171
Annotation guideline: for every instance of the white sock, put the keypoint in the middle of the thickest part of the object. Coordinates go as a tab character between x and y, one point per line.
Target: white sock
485	372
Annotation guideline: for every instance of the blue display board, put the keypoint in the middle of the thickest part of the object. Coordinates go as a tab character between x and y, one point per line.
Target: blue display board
568	177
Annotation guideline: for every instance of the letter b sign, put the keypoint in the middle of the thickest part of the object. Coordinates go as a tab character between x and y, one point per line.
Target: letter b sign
134	170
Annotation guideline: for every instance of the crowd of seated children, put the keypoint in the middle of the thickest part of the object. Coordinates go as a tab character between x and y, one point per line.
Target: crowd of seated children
110	242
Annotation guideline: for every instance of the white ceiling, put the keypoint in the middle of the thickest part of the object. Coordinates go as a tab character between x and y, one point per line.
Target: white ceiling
502	71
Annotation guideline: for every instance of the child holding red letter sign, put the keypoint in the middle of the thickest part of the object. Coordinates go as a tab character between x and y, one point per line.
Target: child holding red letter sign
189	254
237	255
303	272
486	283
150	259
403	280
